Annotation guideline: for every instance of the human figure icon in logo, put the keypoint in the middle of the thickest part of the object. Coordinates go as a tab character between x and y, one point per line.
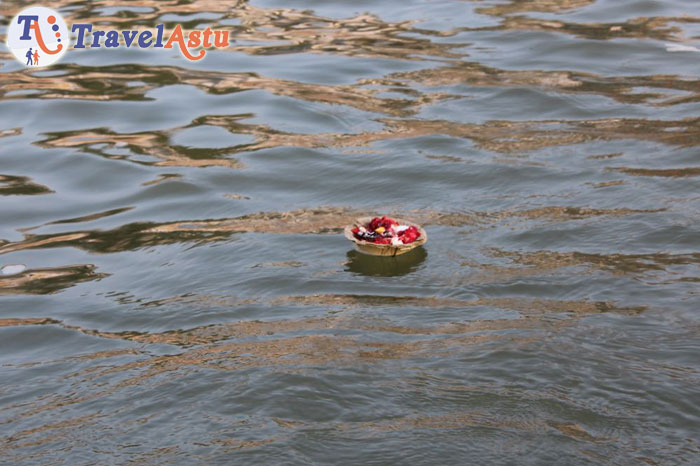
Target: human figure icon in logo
29	56
36	57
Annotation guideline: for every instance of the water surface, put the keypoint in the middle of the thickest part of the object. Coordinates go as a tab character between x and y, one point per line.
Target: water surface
177	289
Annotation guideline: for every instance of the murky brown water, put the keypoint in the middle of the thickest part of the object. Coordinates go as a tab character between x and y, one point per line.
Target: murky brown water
187	296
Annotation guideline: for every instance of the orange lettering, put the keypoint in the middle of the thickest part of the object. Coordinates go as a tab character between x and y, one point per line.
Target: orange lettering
177	36
207	38
220	38
194	39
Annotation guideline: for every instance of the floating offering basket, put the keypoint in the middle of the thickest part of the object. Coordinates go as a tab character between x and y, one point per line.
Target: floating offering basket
393	248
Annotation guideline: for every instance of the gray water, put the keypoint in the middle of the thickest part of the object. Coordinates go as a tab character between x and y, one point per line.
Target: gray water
188	296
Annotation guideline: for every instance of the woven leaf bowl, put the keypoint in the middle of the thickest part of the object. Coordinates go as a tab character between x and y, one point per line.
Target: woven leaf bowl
384	249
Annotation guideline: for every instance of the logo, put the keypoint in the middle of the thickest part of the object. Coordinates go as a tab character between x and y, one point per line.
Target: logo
38	37
145	39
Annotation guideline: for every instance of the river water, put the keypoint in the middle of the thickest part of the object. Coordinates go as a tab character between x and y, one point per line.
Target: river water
177	289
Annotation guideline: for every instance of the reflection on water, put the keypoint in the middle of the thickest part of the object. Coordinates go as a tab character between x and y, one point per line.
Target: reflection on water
396	266
16	185
498	136
185	294
47	280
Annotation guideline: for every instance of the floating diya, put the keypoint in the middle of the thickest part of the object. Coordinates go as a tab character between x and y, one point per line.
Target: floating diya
384	236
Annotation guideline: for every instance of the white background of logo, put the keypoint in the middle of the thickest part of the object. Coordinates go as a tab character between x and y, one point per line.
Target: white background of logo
19	47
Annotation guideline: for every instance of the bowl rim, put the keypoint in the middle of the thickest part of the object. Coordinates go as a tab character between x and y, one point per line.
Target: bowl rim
362	221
